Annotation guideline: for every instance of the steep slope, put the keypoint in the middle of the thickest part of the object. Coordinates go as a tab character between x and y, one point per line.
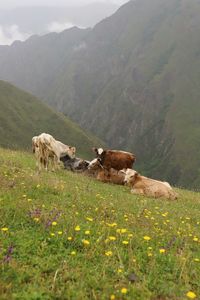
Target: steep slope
34	64
22	116
142	248
133	80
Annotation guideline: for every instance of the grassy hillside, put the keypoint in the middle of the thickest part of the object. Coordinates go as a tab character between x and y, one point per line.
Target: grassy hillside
66	236
23	116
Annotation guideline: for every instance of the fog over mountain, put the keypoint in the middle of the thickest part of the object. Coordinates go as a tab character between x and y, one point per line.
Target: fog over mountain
17	3
18	22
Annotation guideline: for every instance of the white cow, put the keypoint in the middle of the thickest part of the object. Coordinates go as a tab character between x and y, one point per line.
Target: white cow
51	149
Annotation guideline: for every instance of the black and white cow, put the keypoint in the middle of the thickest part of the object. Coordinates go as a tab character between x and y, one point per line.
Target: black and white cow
74	164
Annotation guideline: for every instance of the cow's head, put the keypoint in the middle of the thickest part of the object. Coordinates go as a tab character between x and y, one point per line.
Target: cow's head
71	151
98	151
95	164
35	144
130	176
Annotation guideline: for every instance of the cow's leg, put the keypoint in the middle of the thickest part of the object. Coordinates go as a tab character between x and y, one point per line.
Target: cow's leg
53	163
56	161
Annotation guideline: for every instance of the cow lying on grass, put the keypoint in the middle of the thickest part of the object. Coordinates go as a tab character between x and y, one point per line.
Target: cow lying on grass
146	186
104	175
115	159
74	164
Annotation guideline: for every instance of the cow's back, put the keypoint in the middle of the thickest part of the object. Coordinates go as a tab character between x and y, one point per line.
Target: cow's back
154	188
117	160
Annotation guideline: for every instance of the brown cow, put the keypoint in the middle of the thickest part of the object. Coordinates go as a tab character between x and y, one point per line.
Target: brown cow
146	186
115	159
102	174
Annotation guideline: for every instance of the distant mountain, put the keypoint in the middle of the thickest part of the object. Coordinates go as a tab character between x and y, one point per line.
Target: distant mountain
133	81
40	20
23	116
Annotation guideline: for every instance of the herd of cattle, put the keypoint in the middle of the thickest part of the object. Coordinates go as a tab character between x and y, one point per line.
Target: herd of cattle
109	166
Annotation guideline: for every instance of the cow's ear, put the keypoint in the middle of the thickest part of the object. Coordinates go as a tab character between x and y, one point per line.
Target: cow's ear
136	174
94	150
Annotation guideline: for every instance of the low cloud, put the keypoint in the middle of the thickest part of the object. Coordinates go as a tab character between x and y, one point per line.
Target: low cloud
9	34
58	27
80	47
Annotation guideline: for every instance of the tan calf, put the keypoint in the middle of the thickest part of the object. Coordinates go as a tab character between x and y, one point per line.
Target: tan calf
147	186
104	175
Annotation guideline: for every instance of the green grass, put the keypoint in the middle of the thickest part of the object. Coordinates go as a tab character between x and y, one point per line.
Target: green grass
51	261
23	116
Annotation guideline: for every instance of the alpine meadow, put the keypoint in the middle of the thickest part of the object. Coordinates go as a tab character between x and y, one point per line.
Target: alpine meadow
100	151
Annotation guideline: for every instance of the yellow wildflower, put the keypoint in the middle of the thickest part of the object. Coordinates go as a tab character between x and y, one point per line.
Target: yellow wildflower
112	297
69	238
108	253
146	238
4	229
162	250
111	225
196	259
73	253
124	291
36	219
125	242
119	271
123	230
85	242
195	239
112	238
54	223
191	295
77	228
52	234
87	232
59	232
89	219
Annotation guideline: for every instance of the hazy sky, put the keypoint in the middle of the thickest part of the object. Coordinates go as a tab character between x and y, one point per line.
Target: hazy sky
20	26
15	3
